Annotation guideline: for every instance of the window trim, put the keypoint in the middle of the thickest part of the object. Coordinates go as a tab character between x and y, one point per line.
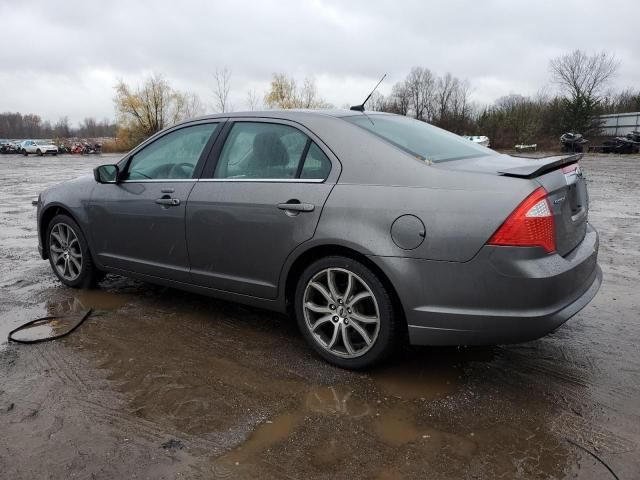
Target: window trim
200	164
210	167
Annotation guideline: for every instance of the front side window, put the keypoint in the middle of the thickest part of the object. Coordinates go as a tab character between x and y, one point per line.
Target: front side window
173	156
257	150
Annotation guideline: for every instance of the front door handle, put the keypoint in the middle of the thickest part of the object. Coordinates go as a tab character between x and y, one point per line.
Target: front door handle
169	202
296	206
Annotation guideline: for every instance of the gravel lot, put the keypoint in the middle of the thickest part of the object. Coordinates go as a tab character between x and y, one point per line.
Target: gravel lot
165	384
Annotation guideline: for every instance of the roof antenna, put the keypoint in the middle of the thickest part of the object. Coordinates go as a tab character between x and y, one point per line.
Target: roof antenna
360	108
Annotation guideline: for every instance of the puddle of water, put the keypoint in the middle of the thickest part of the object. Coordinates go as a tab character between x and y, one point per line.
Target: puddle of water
419	379
264	436
396	427
68	300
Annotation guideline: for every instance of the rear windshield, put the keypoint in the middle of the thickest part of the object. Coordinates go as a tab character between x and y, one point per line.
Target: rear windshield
419	138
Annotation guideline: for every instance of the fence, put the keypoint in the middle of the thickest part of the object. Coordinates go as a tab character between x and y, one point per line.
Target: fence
619	124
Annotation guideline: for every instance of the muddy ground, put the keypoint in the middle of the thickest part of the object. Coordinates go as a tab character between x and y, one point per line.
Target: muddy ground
165	384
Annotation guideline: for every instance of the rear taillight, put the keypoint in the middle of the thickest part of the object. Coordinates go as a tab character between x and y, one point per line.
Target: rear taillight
530	225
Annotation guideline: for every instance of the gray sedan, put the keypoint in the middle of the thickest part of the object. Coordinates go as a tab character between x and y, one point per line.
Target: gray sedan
370	229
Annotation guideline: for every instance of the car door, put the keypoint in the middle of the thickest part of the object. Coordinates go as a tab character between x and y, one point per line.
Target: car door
263	196
137	224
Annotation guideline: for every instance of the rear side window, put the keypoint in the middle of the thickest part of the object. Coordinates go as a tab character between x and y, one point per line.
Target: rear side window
259	150
316	164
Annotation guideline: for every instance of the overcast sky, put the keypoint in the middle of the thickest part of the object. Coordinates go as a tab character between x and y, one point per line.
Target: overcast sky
64	57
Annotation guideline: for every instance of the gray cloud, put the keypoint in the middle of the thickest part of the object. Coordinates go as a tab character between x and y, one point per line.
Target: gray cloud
62	58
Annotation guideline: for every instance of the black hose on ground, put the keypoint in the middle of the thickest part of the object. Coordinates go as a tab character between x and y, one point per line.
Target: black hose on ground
46	320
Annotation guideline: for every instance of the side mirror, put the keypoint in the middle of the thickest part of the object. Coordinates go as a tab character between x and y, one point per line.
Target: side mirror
106	174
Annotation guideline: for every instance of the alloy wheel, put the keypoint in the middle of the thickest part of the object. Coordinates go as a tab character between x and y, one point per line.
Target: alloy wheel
341	312
65	251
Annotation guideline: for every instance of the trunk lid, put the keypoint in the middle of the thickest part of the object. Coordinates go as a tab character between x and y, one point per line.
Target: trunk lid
560	176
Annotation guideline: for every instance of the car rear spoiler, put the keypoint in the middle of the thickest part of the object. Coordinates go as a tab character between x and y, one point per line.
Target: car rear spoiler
539	166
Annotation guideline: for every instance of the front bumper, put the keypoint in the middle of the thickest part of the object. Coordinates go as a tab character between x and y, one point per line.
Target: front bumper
503	295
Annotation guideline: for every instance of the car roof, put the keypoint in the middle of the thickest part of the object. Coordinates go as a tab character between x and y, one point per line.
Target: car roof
290	113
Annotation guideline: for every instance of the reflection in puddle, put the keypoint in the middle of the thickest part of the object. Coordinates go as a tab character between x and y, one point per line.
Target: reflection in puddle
81	300
336	401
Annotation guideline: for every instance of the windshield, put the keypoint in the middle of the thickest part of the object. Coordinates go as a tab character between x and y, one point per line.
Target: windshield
419	138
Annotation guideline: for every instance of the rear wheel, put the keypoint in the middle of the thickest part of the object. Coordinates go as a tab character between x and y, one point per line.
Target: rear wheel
39	152
24	152
345	313
69	254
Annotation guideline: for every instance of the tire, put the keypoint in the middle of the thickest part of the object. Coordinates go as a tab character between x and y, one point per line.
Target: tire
24	152
323	325
82	273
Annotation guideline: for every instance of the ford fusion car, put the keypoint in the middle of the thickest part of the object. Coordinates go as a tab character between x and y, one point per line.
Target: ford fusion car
369	228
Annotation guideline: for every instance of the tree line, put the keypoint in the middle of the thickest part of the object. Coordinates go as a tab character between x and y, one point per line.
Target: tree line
14	125
582	81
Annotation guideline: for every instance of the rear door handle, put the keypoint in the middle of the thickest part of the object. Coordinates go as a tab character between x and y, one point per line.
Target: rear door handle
296	206
169	202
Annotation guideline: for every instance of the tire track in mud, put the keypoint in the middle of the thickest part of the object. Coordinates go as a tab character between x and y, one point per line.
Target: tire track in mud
546	368
570	388
587	433
63	368
128	423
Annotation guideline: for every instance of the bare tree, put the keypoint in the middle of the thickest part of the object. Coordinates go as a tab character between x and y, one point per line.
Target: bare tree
61	128
621	102
187	105
252	100
583	76
308	95
420	88
221	87
400	99
446	87
284	93
377	102
147	109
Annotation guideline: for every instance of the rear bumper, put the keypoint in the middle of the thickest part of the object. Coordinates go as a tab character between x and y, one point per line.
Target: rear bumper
503	295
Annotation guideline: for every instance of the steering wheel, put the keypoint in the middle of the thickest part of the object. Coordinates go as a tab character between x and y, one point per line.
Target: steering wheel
181	170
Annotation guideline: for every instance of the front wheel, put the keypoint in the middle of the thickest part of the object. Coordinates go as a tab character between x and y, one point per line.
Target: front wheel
345	313
69	254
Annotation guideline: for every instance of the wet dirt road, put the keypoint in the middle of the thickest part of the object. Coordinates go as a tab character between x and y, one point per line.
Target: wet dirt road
165	384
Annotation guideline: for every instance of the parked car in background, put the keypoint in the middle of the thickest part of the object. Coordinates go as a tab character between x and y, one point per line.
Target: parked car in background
8	146
38	147
479	139
368	228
